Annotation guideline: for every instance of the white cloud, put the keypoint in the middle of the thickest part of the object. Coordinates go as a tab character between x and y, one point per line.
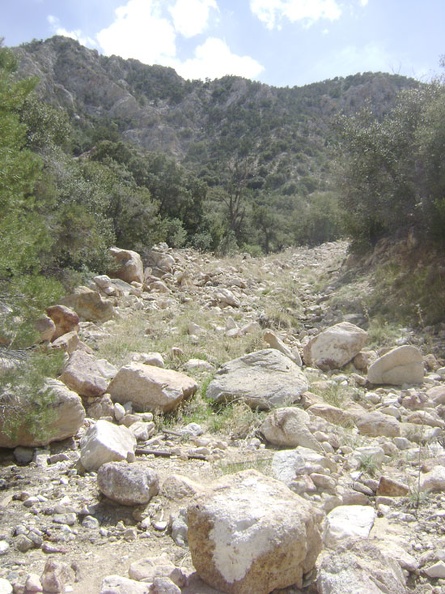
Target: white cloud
272	12
351	59
372	57
191	17
76	34
140	31
147	30
214	59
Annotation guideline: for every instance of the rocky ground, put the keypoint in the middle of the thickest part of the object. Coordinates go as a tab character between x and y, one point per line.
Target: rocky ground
58	532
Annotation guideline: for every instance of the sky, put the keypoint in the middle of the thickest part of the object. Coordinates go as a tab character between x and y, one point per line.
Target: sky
277	42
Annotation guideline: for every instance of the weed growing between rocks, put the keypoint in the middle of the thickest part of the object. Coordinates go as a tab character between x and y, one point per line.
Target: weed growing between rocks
369	465
382	333
236	419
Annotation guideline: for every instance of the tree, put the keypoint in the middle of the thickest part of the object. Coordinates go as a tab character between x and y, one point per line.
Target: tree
391	170
169	192
24	235
266	223
235	195
22	232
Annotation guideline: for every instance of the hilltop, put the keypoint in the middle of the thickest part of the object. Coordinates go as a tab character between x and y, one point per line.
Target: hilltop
283	130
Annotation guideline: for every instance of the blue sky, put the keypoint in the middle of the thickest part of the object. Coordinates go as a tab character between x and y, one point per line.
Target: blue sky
278	42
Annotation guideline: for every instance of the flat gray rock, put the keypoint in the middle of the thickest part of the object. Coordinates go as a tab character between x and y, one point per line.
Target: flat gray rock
263	379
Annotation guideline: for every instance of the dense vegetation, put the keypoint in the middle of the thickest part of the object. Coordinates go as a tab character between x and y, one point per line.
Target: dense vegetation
98	151
219	165
392	170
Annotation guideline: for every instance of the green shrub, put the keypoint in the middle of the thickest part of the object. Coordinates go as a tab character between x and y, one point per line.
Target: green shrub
26	402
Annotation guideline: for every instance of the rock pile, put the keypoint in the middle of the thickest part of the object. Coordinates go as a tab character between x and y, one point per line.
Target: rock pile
336	485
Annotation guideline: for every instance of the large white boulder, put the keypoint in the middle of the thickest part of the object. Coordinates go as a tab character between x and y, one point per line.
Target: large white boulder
151	388
335	347
251	534
104	442
402	365
262	379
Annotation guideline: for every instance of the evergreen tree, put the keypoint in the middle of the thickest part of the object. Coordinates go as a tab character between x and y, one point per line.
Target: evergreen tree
24	236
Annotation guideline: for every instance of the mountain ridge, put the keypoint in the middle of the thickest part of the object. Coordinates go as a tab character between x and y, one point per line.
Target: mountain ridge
199	122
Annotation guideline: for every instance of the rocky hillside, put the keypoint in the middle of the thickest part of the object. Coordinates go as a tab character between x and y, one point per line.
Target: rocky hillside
284	130
226	425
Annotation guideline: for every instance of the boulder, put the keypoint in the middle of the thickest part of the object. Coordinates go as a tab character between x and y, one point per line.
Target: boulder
437	394
105	442
113	286
155	359
389	487
335	347
436	571
86	375
89	305
127	265
57	415
433	480
377	424
262	379
151	388
276	343
286	465
421	434
332	414
142	430
128	484
45	327
371	455
68	342
250	533
164	585
422	417
402	365
288	427
64	318
359	567
347	521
